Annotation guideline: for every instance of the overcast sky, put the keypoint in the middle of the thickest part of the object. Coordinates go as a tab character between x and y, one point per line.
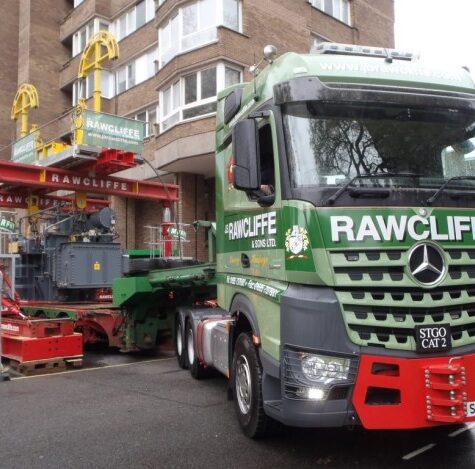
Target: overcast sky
441	30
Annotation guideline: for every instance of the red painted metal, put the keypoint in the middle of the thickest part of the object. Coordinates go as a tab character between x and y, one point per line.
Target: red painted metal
432	391
167	245
18	175
100	325
27	340
98	322
18	200
11	306
111	161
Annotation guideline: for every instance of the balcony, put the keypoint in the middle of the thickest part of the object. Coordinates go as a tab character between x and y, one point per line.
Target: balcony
187	147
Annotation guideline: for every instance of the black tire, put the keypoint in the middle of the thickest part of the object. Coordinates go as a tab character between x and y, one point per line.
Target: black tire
247	389
172	262
180	345
197	370
140	265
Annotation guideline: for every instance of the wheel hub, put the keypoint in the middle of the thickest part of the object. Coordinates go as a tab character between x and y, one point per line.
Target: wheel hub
243	384
179	341
191	347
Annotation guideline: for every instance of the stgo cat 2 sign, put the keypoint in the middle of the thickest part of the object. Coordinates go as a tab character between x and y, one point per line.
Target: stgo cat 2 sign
108	131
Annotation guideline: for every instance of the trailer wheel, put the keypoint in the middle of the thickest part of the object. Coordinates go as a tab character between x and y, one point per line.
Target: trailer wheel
197	370
247	389
180	345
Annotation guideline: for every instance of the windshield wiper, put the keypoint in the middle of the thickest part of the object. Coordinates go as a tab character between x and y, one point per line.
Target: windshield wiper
431	200
331	200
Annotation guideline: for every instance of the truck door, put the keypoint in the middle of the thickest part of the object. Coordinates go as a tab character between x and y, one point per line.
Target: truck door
251	220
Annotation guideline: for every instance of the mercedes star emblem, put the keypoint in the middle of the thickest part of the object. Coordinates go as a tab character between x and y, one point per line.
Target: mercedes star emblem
427	264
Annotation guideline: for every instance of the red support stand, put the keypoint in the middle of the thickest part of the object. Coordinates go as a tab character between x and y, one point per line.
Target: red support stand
26	340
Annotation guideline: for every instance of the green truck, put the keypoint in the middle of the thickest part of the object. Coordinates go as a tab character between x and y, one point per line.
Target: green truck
344	274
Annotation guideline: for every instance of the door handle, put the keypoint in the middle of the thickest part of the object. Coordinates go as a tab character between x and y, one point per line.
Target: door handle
245	262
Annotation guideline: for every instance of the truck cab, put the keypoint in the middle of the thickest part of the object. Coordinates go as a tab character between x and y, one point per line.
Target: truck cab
345	231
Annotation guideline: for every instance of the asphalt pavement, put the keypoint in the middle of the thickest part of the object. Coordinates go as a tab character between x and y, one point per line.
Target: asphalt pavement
152	414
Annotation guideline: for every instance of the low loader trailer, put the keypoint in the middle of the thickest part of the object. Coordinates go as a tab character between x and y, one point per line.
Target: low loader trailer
343	287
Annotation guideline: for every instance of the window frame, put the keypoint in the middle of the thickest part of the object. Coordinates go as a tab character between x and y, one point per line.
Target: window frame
87	87
150	125
130	18
320	5
165	28
182	107
91	28
131	65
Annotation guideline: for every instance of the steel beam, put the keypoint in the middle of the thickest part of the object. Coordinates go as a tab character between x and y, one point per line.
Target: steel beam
50	179
17	199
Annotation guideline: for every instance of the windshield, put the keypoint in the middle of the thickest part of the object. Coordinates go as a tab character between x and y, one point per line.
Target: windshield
331	145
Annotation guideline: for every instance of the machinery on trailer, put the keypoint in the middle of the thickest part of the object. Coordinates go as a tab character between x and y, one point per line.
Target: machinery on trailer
345	236
63	255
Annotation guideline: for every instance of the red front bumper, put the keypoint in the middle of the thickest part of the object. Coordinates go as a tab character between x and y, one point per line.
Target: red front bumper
401	393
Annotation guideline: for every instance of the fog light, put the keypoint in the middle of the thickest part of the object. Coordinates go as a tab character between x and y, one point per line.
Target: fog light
315	394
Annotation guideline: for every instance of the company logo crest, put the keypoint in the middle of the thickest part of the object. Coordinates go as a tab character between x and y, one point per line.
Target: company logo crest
296	241
427	264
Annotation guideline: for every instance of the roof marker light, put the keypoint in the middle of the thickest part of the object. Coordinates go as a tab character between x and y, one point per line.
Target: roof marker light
365	51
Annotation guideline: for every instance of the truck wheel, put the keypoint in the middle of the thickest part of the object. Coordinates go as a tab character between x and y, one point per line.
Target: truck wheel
197	370
247	389
180	346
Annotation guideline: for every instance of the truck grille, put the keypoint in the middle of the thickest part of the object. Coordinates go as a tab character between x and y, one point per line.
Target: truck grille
381	304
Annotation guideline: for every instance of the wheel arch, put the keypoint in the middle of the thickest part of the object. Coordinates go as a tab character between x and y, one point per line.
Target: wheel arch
246	320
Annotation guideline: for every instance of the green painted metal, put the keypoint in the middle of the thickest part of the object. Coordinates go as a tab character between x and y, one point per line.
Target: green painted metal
139	253
49	312
129	290
109	131
260	251
183	277
293	241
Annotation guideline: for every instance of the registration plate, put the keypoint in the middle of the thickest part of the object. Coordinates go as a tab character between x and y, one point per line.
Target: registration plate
433	338
470	409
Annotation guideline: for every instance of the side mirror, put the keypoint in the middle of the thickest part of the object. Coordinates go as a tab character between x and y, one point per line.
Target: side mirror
246	170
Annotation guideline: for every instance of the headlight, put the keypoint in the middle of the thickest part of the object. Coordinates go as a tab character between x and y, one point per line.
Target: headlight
324	369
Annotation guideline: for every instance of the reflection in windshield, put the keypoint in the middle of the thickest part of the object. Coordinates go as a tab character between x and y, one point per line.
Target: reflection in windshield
328	145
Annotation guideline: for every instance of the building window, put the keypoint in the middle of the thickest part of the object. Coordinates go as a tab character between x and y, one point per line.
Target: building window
83	36
195	25
315	39
133	19
339	9
170	105
231	14
135	72
149	116
194	95
125	77
200	93
85	88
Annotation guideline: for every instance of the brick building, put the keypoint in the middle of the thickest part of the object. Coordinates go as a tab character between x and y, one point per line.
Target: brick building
175	55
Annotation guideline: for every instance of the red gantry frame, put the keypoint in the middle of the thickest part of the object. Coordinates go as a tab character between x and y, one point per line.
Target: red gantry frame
21	178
